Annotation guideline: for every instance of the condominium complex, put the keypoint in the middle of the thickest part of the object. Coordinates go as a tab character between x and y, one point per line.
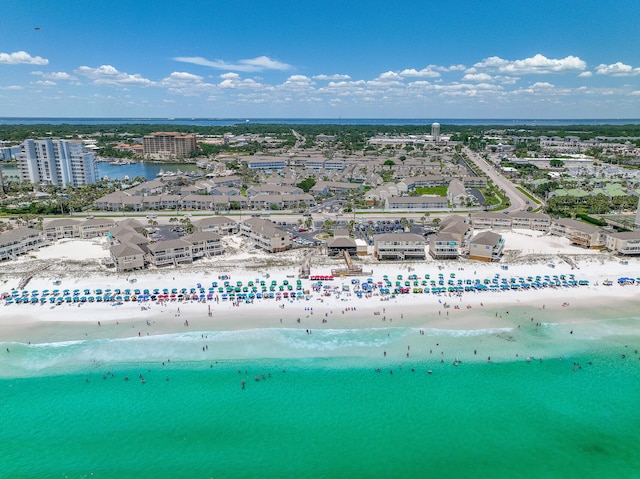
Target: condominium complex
164	144
56	162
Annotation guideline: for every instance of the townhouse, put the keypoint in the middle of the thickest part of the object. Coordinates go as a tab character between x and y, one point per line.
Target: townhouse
19	241
399	246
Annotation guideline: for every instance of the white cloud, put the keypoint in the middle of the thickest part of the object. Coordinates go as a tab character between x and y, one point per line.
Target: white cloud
335	76
21	57
636	92
54	75
586	74
183	77
479	77
542	84
617	69
12	87
233	81
257	64
44	83
534	65
109	75
389	77
427	72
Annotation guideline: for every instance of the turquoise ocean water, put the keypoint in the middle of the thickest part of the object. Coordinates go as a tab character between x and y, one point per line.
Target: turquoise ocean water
327	404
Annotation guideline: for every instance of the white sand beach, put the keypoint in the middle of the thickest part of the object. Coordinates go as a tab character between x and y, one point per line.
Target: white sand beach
75	265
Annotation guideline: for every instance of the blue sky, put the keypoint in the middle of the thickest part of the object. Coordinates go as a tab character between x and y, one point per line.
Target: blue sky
320	59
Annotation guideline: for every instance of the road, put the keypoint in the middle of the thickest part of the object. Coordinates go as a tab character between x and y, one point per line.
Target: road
519	201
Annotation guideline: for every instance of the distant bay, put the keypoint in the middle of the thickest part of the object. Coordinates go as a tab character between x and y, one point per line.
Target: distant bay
318	121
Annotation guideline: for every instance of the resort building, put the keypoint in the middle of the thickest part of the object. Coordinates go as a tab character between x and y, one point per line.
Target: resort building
625	243
163	145
263	234
486	246
402	246
20	241
56	162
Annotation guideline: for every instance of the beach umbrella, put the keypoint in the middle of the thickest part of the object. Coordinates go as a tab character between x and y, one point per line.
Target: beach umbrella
98	291
117	291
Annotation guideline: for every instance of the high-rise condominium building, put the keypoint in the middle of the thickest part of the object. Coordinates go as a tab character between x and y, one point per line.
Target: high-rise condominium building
57	162
164	144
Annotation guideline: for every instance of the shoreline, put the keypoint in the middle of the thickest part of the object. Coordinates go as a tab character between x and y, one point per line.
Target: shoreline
40	323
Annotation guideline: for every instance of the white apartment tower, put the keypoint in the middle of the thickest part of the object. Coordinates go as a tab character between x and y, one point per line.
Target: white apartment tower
57	162
435	131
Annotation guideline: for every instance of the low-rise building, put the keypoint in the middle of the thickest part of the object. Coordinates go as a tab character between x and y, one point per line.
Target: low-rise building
170	252
217	224
336	246
127	257
529	220
578	233
444	246
400	246
625	243
265	235
486	246
204	244
416	203
95	227
20	241
62	228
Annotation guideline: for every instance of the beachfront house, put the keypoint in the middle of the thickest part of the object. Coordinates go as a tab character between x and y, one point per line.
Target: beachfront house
61	228
20	241
624	243
170	253
95	227
444	246
486	246
204	244
127	257
578	233
490	220
530	220
265	235
402	246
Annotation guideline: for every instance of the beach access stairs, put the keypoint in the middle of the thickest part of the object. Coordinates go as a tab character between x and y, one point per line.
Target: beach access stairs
351	269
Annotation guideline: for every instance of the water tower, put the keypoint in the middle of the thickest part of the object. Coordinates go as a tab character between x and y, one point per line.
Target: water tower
435	131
